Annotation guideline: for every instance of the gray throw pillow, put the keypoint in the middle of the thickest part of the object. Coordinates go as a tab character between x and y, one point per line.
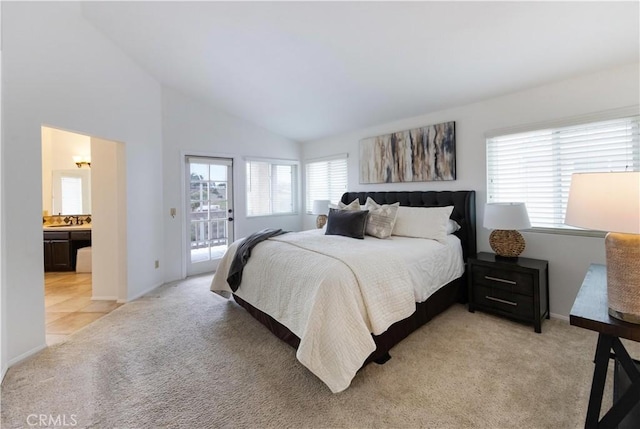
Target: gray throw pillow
348	223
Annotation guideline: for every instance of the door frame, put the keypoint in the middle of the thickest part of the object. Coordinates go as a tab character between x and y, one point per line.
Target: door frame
182	214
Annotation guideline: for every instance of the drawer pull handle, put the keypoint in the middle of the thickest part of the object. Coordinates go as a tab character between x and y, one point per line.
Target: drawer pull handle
511	282
504	301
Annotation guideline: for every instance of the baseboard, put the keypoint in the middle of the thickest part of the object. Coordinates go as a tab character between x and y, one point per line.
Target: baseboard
4	372
140	294
560	316
26	355
104	298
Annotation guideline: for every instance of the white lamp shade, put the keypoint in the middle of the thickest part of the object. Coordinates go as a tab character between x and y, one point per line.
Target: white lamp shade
509	216
320	207
605	202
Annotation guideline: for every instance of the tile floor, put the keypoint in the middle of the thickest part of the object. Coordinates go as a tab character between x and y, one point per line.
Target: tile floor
68	304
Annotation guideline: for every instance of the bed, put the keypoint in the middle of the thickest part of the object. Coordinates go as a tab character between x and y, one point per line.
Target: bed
322	310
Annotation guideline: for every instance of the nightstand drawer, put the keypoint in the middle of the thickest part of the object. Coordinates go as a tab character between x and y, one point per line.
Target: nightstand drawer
509	281
506	302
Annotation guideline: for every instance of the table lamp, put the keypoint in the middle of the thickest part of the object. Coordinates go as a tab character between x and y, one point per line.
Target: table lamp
505	219
320	208
611	202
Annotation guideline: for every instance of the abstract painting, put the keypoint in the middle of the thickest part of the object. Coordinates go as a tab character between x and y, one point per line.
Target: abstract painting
419	155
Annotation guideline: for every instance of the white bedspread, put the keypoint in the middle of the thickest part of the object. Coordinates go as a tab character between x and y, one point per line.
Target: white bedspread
333	292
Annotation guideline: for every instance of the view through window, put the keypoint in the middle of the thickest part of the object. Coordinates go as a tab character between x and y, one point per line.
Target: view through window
271	187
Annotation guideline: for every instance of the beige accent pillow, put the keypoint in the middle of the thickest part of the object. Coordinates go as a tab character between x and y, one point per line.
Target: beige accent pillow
353	205
381	219
423	222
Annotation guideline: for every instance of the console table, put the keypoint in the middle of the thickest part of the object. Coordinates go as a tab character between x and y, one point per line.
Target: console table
590	311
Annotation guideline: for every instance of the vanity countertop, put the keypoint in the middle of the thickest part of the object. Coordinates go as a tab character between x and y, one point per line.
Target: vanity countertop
83	227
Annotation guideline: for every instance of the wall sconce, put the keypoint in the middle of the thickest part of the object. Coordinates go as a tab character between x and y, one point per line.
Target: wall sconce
611	202
82	160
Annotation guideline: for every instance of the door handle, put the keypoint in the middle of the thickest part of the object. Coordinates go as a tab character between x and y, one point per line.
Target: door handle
230	219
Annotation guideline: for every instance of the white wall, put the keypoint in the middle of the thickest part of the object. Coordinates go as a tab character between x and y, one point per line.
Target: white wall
191	127
59	71
109	216
3	301
568	256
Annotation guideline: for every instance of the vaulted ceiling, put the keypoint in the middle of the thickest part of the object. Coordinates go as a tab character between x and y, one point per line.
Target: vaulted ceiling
307	70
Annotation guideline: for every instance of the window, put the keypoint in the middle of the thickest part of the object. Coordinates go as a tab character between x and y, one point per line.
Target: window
71	195
71	191
271	187
535	167
325	180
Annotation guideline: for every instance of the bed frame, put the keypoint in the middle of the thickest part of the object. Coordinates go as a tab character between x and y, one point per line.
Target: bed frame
464	212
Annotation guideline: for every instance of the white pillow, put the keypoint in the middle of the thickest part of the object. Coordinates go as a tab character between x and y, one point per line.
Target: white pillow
381	218
423	222
452	226
353	205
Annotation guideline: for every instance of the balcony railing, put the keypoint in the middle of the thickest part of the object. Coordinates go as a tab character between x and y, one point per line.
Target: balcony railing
208	229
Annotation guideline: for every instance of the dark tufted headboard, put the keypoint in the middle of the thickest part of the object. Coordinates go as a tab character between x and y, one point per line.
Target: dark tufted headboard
463	202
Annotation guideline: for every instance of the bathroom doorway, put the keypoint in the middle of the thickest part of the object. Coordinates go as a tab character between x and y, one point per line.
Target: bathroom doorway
84	237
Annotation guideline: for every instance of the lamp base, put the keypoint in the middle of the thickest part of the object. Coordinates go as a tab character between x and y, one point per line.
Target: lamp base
623	276
506	243
626	317
321	221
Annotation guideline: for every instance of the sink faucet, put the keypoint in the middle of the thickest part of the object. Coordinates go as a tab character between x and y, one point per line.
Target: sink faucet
69	219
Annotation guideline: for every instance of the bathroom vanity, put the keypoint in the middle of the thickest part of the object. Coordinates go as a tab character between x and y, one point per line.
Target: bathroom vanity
61	244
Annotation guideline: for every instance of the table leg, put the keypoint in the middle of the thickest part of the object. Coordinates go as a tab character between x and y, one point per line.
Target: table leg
605	343
631	396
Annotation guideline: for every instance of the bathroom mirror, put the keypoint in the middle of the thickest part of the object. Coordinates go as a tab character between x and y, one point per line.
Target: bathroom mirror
71	192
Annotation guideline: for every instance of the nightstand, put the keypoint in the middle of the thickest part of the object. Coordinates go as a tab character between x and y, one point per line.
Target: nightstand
515	288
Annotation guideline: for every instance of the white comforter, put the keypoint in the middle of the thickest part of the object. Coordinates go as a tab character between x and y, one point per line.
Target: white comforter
332	292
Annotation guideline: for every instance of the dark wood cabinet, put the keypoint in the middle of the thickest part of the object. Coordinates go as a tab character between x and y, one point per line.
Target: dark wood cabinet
57	255
515	288
57	251
60	248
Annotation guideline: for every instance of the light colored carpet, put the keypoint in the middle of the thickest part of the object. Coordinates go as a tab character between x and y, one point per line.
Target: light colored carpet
182	357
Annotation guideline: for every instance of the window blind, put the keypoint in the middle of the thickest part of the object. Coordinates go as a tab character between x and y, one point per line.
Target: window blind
325	180
71	189
271	188
535	167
